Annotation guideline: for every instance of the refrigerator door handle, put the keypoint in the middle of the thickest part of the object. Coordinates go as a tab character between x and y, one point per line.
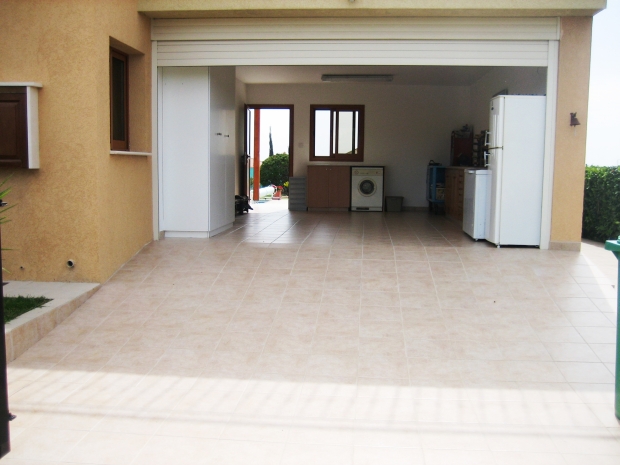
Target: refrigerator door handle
487	138
486	159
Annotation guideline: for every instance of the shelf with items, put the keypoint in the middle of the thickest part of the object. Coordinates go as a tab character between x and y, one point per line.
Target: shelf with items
479	147
461	147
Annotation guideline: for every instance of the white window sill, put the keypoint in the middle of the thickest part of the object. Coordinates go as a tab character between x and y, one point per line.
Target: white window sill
134	154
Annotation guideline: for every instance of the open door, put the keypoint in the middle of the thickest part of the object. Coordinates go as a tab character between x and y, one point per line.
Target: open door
268	132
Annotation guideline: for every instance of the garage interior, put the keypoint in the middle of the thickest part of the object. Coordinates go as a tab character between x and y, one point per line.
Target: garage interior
408	121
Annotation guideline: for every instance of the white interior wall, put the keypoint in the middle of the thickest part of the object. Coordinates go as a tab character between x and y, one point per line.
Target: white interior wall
405	126
240	100
222	153
517	80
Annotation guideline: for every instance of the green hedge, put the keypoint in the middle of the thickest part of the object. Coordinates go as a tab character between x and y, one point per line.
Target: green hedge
601	203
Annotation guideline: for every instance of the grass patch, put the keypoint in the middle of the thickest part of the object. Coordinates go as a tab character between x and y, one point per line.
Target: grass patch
15	306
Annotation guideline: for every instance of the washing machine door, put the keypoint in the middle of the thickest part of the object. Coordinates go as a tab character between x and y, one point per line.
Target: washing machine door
367	187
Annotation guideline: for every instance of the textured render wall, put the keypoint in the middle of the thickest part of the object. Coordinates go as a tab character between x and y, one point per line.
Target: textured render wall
66	209
125	188
570	142
274	8
49	43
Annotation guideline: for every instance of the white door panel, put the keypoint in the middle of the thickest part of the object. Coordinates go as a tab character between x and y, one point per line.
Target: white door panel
185	149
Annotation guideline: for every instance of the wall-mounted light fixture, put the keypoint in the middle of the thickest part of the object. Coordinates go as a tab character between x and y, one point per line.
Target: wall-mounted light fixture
573	119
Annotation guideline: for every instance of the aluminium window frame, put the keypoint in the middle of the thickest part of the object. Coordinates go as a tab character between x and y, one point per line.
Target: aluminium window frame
337	157
120	145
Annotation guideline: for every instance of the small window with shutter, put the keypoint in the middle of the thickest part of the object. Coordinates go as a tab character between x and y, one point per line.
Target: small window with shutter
119	104
19	125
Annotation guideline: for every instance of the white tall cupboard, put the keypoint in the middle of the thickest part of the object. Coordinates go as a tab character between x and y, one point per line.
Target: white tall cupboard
197	182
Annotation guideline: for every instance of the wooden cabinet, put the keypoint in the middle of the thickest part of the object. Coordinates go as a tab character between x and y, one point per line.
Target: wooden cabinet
329	186
455	186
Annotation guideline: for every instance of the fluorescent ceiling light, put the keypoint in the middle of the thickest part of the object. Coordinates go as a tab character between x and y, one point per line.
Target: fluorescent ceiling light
357	77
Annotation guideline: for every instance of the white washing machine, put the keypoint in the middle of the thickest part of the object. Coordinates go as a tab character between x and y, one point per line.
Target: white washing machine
367	188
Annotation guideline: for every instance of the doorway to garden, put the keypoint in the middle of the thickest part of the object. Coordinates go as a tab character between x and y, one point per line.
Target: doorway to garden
268	152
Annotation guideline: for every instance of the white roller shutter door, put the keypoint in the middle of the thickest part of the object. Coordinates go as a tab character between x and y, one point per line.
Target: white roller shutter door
355	41
360	52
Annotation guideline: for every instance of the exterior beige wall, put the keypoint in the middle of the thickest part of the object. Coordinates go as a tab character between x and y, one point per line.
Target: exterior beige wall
570	142
318	8
83	203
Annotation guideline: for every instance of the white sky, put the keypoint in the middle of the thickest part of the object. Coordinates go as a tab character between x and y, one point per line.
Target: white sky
603	148
279	121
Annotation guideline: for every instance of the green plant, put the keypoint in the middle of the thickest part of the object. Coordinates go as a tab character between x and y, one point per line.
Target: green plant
16	306
3	193
274	170
601	203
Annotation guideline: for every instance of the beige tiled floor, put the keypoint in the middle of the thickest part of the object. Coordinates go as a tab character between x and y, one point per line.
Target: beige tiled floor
330	339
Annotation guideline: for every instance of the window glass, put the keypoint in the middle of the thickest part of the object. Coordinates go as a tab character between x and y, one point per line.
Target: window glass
322	133
346	132
118	99
337	133
357	130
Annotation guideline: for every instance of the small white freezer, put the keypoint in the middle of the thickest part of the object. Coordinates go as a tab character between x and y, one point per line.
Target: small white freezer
475	203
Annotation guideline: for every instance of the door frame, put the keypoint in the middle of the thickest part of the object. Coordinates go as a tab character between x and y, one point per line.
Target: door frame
291	137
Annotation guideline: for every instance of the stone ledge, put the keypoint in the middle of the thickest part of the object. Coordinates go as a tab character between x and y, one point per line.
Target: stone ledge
26	330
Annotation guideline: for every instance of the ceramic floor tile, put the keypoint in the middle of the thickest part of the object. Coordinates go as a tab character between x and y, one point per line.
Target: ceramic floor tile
462	457
322	432
179	450
363	455
228	452
567	352
384	339
530	458
579	372
45	444
107	448
387	434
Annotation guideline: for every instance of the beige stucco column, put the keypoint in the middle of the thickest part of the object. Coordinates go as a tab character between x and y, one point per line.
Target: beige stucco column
570	141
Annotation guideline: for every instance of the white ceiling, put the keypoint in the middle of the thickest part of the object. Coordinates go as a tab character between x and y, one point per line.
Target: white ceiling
403	75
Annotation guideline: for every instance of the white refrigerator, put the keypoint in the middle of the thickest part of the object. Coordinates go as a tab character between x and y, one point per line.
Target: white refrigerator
516	144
